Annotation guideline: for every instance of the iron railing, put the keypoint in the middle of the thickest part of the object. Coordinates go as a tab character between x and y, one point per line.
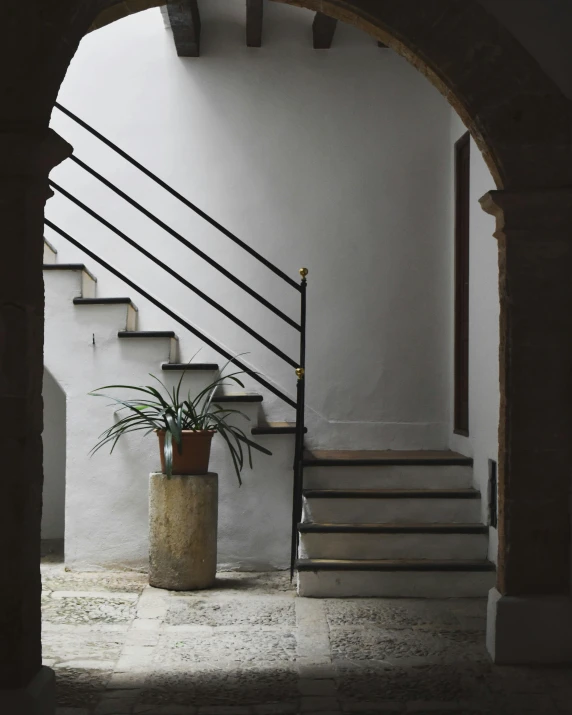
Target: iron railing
299	365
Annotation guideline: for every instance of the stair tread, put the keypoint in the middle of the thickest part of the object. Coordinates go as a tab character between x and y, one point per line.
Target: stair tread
52	248
103	301
146	334
276	428
392	493
190	367
338	458
238	397
68	267
393	565
323	528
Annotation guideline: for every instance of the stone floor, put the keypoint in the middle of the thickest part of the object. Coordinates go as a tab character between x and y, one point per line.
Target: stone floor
251	647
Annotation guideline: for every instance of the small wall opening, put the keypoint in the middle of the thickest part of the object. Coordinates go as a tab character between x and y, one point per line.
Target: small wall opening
54	439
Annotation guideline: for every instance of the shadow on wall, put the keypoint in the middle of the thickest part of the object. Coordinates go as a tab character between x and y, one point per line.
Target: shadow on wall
54	439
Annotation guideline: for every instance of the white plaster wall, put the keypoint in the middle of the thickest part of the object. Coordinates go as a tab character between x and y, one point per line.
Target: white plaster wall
337	160
54	439
484	393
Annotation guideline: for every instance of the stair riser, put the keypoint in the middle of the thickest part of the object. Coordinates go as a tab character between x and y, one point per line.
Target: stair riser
388	477
395	584
49	254
116	316
439	547
392	511
193	381
167	348
88	287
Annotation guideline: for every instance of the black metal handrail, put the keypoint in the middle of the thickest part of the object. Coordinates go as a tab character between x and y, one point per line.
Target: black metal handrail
172	314
180	197
300	367
188	244
175	275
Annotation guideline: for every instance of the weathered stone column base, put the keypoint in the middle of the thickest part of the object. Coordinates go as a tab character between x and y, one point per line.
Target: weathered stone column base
183	515
531	630
37	698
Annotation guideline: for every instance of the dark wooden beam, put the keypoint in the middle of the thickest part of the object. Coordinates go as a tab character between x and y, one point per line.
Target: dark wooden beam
254	13
323	28
186	25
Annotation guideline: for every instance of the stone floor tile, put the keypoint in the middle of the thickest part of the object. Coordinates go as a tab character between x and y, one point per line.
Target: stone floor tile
379	706
224	710
308	686
393	645
315	669
315	704
128	695
124	681
276	709
76	610
432	706
259	610
210	685
71	711
146	624
112	707
179	650
389	613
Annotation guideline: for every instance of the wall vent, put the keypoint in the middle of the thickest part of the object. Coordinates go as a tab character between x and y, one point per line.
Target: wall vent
493	494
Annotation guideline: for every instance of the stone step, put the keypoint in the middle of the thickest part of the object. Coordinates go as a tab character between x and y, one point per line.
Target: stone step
393	541
398	506
88	280
387	470
321	578
124	306
135	336
50	253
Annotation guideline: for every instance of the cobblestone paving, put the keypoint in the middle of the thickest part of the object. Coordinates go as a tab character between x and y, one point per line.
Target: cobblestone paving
251	647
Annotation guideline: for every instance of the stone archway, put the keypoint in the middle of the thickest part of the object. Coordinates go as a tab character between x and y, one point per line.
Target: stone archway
521	122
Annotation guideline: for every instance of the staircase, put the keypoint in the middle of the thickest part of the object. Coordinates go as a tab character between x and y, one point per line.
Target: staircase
391	524
123	319
372	523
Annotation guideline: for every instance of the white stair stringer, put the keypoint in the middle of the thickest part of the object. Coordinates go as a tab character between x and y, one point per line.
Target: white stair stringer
107	496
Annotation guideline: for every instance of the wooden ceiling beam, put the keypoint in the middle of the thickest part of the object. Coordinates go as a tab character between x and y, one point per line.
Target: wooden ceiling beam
323	28
185	22
254	15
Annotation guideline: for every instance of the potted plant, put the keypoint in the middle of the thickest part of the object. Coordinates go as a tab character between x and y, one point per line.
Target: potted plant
183	497
185	425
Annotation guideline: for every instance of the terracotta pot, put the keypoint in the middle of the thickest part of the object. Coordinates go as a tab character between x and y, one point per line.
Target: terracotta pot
195	455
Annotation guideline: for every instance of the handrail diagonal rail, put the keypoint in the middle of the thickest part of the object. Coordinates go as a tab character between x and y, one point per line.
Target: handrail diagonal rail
187	243
175	275
180	197
299	403
172	314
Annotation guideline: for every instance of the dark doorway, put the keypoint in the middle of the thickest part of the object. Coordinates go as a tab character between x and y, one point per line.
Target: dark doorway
462	221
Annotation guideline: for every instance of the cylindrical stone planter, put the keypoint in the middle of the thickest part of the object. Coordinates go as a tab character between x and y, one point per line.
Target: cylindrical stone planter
183	515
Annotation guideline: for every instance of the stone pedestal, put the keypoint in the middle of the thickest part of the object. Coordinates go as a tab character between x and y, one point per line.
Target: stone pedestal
183	515
529	630
37	698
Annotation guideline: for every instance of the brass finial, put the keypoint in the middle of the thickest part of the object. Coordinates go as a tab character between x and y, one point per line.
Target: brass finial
299	372
303	272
